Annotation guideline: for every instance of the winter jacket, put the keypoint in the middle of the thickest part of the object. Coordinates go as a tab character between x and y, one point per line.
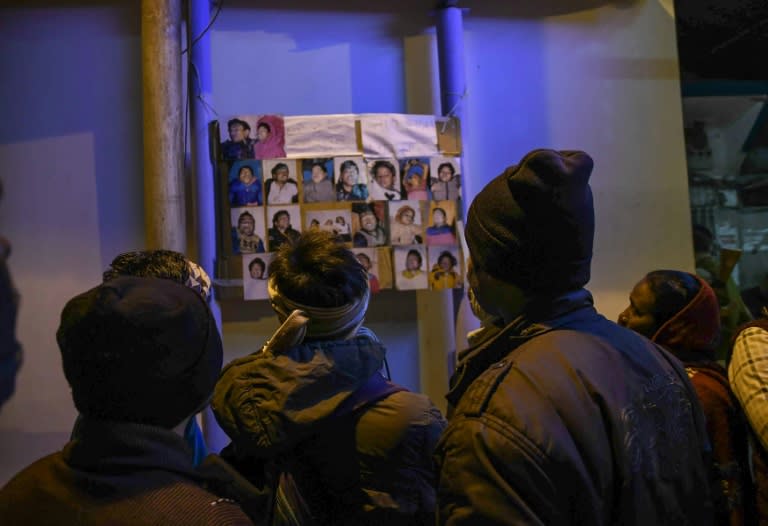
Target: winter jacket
369	467
563	417
125	474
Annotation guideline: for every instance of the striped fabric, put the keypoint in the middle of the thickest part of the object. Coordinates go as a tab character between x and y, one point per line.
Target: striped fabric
748	375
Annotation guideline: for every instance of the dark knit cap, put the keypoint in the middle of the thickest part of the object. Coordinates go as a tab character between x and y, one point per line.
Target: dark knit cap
140	350
533	225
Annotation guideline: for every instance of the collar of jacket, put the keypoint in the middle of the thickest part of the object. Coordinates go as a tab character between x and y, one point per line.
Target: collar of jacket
108	446
540	316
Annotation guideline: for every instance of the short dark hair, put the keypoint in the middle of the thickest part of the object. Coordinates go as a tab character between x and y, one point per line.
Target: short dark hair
246	167
672	290
279	213
449	165
280	166
415	253
320	164
447	254
383	164
241	122
259	262
265	126
364	256
318	271
160	263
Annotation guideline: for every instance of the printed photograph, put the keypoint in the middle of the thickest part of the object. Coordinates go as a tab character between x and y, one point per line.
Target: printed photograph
255	276
444	268
318	180
442	223
337	221
415	177
285	225
406	225
369	224
409	267
247	230
368	258
245	183
270	137
384	180
280	186
237	138
445	181
351	179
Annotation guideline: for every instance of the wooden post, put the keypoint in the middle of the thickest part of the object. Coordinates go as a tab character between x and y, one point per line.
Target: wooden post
164	205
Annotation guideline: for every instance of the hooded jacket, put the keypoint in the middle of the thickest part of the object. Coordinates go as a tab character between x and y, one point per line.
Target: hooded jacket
565	418
692	335
369	467
126	474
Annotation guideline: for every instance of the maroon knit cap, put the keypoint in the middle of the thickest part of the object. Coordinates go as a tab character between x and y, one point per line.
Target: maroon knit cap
533	225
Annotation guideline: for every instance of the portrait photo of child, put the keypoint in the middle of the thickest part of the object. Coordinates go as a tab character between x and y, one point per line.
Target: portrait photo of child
444	181
318	180
384	180
415	176
351	179
247	230
255	276
406	224
369	224
280	186
270	137
245	183
409	267
442	221
444	268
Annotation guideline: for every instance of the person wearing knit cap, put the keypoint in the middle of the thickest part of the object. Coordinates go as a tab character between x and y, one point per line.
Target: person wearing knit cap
314	402
680	312
141	356
560	416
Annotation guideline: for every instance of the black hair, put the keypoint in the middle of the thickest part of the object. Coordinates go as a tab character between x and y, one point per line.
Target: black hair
320	164
279	213
280	166
318	271
447	254
259	262
672	290
264	125
442	210
417	254
164	264
383	164
246	167
449	165
344	166
241	122
364	255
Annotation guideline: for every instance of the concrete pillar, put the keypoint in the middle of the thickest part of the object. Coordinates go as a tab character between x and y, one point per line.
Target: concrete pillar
164	205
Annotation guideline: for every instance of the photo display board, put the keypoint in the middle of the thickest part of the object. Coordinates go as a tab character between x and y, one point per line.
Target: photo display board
388	186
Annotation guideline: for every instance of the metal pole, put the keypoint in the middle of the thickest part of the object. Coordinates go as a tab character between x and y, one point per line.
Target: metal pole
453	91
164	212
199	81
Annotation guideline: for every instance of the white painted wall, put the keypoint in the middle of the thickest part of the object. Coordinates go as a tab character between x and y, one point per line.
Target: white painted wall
602	79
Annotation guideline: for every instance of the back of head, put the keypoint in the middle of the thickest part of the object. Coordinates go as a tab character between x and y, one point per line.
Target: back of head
141	350
686	311
317	274
533	225
160	263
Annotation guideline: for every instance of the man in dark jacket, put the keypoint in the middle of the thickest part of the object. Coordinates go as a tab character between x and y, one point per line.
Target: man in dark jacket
561	416
313	401
142	356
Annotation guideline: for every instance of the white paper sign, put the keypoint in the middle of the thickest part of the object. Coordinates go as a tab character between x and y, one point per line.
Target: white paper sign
320	136
398	135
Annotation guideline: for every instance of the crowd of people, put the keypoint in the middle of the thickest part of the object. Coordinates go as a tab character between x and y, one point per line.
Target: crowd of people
556	415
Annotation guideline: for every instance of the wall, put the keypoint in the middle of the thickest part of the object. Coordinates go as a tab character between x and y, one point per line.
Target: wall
602	78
